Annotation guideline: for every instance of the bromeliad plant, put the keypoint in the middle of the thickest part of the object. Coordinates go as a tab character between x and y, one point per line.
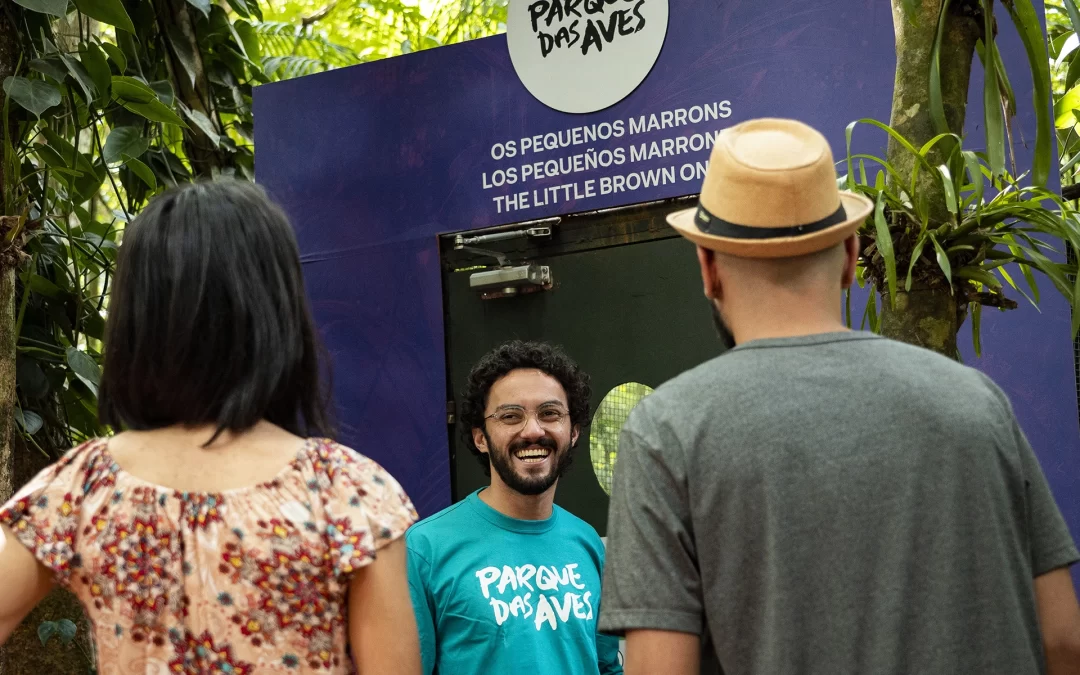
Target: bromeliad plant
943	264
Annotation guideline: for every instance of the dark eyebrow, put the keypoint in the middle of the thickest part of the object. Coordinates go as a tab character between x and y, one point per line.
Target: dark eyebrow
557	402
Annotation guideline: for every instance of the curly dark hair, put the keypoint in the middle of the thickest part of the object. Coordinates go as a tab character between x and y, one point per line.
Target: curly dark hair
514	355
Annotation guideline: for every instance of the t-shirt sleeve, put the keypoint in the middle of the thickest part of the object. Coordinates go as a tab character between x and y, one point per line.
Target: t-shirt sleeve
1052	546
423	603
607	654
365	510
651	580
44	514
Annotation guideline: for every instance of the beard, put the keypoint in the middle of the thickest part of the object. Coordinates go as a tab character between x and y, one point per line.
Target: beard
722	330
502	460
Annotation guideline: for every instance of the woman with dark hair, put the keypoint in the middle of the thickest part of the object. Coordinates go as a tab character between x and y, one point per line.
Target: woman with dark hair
218	533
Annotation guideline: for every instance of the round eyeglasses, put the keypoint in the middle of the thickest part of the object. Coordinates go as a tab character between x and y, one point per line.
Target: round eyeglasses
514	418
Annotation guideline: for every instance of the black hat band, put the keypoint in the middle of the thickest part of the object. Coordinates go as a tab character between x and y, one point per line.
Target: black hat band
710	224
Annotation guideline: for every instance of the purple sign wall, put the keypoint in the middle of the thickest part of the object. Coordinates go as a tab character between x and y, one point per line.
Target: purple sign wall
372	162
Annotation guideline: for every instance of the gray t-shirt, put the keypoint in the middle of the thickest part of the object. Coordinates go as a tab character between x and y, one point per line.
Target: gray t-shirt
830	505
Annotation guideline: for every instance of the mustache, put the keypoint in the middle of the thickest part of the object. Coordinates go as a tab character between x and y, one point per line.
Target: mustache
545	442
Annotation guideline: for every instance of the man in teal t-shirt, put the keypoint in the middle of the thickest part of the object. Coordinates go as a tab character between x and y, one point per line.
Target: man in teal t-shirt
505	581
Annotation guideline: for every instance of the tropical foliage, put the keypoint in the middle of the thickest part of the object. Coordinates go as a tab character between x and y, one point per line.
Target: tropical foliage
99	120
970	222
993	223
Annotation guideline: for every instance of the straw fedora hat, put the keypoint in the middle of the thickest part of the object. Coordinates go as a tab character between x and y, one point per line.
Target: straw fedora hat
770	192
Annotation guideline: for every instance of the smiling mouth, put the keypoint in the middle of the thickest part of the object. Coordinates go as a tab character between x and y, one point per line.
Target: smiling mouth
533	455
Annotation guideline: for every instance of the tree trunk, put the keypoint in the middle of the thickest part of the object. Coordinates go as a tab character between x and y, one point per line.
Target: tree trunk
929	317
7	382
925	317
193	89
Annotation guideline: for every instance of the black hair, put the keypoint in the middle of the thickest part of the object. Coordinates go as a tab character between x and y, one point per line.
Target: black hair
208	319
514	355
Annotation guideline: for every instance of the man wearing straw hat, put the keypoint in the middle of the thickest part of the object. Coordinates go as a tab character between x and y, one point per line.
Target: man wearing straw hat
816	500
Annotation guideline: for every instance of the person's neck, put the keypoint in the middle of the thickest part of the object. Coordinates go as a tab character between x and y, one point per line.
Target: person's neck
778	317
513	504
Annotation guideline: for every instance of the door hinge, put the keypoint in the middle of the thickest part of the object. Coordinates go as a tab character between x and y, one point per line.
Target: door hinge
450	409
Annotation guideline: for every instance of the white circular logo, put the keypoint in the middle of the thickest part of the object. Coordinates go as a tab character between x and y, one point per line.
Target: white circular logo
580	56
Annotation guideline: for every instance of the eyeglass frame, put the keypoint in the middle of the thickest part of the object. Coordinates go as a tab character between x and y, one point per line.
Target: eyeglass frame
558	407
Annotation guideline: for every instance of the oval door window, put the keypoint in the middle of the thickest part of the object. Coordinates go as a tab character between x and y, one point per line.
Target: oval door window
610	417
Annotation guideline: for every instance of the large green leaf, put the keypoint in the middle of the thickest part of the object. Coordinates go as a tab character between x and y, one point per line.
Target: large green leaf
53	7
1006	87
993	116
155	111
937	106
1074	14
142	171
942	259
85	368
1064	107
885	247
1072	75
116	55
916	253
31	378
164	91
111	12
977	274
97	65
51	158
29	421
60	144
40	284
33	95
124	141
250	40
51	66
184	52
201	5
131	90
950	189
976	328
79	74
240	7
1030	28
203	123
974	169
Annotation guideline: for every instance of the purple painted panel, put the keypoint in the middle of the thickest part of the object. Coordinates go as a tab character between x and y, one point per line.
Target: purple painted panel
373	161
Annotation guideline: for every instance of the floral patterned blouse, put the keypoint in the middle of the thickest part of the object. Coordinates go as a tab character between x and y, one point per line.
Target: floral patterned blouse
246	581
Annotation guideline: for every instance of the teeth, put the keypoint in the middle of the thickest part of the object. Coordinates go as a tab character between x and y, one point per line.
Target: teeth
531	453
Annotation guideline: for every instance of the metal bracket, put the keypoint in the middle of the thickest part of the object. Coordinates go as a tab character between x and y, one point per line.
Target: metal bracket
510	281
461	242
499	256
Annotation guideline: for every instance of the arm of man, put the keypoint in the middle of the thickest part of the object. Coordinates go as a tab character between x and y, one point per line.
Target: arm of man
382	627
652	588
1059	621
660	651
1052	552
26	583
